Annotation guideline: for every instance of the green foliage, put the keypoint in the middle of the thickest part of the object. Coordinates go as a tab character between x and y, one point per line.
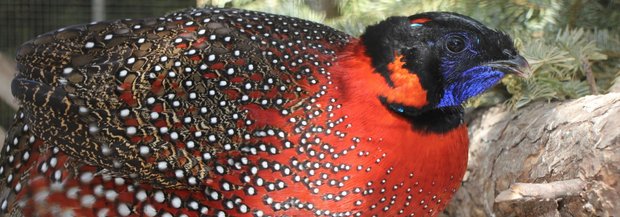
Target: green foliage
559	65
562	39
293	8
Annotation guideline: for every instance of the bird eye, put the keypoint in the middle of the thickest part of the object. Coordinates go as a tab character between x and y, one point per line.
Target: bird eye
455	44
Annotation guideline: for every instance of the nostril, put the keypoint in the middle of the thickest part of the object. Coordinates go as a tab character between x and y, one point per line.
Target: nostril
509	52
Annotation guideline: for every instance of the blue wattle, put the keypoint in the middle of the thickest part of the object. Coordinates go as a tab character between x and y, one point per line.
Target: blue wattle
469	84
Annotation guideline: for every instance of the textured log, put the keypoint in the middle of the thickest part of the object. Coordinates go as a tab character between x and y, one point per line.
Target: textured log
574	143
7	72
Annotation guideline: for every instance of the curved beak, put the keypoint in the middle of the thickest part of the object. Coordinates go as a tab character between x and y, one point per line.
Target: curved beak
517	66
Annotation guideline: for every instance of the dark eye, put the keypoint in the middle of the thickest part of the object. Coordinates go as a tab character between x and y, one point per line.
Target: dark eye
455	44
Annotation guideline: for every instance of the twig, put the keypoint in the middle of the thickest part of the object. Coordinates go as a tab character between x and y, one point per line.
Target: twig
589	76
542	191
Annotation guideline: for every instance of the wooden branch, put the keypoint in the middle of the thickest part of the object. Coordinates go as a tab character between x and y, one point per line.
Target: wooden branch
542	191
2	137
572	148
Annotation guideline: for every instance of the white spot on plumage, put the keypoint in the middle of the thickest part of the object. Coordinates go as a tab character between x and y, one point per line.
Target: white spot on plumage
124	113
131	130
111	195
53	161
214	195
67	70
220	169
93	128
72	193
174	135
141	195
206	156
123	209
192	180
88	200
176	202
119	181
159	196
144	150
149	210
162	165
163	130
103	212
179	173
190	144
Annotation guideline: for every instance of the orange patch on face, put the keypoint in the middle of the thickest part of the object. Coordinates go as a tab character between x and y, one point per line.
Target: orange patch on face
407	89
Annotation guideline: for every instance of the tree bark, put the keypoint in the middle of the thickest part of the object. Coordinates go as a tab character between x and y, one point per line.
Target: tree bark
7	72
546	159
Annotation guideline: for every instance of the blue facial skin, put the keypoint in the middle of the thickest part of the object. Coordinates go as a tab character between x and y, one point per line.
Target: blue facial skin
470	83
465	85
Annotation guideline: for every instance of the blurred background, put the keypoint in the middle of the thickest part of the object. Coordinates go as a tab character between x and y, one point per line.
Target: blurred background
573	46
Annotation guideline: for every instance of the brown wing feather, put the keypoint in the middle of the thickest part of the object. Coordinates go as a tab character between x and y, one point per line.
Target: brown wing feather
154	98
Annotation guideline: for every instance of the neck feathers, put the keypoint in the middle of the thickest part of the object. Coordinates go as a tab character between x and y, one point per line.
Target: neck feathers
396	156
403	99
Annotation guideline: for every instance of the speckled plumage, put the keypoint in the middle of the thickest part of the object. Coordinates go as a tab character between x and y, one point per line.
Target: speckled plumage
216	112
